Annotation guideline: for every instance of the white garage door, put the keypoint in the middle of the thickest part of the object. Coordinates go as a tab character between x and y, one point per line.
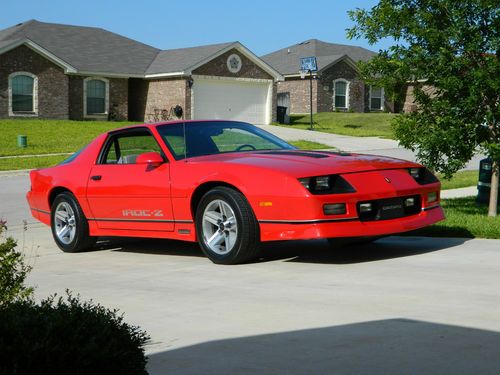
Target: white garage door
231	100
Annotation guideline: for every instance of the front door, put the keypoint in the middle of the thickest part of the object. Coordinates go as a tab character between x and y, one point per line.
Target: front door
124	195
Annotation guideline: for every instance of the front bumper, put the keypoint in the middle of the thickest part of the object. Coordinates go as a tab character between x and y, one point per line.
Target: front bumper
279	230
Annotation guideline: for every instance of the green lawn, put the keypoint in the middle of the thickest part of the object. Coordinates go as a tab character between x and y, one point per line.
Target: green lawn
50	136
464	218
459	180
309	145
61	136
354	124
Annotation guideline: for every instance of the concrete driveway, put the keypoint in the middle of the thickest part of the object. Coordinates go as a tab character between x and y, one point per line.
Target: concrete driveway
400	305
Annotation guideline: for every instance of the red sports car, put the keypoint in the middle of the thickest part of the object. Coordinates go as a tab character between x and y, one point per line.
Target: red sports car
228	185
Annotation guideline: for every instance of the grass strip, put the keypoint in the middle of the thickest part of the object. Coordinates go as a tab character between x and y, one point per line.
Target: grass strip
464	218
353	124
459	180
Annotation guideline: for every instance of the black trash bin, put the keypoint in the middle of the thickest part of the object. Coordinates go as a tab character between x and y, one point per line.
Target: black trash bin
484	182
281	113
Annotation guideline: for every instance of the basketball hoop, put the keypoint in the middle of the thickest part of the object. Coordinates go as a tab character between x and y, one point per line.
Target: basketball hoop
303	73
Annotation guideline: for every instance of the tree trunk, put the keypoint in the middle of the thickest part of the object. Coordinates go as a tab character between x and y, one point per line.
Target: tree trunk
493	208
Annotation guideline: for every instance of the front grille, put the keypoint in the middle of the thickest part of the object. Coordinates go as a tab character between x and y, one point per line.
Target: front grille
391	208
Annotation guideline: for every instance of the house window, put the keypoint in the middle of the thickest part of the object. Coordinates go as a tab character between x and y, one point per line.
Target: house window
376	98
96	96
23	94
341	94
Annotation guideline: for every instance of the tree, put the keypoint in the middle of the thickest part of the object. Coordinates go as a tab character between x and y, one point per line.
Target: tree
448	51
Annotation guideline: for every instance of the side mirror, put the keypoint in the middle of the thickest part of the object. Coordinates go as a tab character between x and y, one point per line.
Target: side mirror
153	159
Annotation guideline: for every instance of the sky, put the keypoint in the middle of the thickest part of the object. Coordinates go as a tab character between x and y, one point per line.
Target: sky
262	26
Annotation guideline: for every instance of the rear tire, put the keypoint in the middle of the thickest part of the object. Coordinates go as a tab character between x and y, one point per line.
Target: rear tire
70	228
226	227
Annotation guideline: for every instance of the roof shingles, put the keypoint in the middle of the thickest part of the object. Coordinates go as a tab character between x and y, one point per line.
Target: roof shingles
287	60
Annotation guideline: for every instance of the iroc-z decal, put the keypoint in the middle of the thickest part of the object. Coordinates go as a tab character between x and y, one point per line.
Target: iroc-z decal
143	213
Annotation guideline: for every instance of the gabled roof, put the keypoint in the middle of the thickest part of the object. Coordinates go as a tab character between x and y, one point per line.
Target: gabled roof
178	60
183	61
286	60
88	49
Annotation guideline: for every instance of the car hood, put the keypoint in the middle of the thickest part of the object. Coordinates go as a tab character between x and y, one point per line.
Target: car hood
300	163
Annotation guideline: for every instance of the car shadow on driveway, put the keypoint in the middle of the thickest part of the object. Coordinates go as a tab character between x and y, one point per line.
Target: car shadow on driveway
312	251
318	251
392	346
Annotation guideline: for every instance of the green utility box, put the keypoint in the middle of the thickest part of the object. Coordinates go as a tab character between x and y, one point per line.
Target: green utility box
484	182
22	141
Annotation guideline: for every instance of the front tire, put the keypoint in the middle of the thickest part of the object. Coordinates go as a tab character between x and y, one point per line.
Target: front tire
70	228
226	227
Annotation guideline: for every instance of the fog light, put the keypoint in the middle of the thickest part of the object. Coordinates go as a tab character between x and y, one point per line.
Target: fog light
432	197
365	207
409	202
334	209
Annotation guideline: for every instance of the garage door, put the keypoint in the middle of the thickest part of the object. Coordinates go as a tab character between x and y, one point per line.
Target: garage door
231	100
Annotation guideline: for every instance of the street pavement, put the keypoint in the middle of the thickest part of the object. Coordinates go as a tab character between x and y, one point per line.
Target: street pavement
400	305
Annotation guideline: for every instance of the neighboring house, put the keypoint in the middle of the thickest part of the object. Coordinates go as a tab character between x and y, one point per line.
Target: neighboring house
71	72
335	87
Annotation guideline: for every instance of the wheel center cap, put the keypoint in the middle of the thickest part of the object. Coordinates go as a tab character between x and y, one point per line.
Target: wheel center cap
222	226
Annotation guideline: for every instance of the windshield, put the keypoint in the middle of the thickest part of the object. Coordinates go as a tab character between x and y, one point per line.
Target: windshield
217	137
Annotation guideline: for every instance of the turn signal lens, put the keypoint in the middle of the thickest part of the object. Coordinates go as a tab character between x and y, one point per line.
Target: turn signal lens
409	202
432	197
334	209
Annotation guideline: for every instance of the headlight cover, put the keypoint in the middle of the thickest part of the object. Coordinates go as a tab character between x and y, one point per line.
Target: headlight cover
331	184
422	176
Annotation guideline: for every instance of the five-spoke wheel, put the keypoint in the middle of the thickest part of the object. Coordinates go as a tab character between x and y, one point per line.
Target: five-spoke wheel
69	225
226	227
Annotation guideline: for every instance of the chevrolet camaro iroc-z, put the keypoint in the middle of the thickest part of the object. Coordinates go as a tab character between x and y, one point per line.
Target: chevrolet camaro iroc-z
228	185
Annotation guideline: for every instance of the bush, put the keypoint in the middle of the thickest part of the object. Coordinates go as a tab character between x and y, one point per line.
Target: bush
67	336
13	271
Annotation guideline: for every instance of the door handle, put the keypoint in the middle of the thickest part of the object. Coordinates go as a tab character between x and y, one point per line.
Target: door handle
96	178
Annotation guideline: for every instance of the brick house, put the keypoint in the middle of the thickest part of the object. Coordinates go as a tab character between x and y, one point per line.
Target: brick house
72	72
335	86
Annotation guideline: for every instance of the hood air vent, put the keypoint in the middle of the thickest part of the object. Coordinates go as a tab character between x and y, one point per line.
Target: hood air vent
315	155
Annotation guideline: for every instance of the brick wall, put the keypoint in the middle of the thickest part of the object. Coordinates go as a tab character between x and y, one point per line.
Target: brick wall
357	88
300	94
76	97
409	104
165	94
218	67
359	93
118	98
52	82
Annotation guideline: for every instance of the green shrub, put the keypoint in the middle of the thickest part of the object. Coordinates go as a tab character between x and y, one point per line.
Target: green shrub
13	271
67	336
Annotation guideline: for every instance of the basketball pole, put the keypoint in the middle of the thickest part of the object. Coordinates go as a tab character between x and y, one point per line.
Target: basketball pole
311	97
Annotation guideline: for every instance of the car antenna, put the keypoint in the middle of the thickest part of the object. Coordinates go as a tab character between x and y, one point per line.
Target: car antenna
185	143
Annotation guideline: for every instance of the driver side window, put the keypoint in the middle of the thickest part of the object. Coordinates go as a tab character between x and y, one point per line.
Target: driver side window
125	148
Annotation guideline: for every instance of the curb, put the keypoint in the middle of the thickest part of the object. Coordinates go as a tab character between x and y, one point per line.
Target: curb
19	172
